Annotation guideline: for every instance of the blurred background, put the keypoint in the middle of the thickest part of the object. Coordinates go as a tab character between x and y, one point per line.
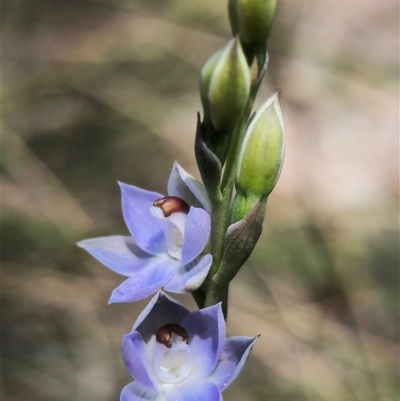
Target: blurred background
96	91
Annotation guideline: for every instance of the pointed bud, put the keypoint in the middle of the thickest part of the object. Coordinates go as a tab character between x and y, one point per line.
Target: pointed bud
261	157
251	19
225	87
208	163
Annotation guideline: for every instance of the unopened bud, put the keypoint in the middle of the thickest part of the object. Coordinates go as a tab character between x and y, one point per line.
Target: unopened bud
225	87
261	157
251	19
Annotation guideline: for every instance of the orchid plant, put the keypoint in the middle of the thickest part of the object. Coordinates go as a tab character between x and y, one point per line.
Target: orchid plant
195	239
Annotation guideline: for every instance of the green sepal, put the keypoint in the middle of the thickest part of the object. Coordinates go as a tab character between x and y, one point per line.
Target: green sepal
240	240
208	163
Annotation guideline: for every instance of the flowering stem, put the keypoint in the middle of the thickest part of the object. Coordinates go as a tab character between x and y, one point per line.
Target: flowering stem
219	223
220	219
199	297
221	212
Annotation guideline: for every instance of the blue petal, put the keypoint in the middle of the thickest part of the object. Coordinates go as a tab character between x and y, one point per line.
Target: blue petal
186	187
190	277
171	365
232	361
145	228
136	392
147	281
197	233
120	254
196	389
161	310
138	361
206	331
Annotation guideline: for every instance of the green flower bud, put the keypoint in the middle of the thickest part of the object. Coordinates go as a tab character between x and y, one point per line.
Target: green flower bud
225	87
261	156
251	19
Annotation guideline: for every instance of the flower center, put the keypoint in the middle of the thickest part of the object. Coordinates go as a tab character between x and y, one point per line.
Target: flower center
173	212
166	334
171	204
171	354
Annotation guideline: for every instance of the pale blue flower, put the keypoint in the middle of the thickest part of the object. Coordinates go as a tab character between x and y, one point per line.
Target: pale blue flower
177	355
166	243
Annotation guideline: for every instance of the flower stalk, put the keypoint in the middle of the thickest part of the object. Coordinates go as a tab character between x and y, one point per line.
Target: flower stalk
216	289
197	237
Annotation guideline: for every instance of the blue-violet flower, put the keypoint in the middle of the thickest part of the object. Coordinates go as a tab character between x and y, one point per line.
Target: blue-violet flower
177	355
168	236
